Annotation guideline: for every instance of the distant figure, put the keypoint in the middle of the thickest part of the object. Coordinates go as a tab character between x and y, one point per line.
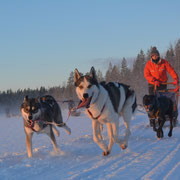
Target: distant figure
71	107
71	104
8	112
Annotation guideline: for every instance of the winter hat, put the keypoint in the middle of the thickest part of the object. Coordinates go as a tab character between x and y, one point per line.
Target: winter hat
154	51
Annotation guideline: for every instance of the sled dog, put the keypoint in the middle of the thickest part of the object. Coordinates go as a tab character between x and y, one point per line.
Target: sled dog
158	108
105	103
42	115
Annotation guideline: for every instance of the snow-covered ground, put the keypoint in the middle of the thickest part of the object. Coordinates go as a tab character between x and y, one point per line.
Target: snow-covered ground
146	157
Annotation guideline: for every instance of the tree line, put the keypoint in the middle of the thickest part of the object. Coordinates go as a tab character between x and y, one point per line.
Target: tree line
120	72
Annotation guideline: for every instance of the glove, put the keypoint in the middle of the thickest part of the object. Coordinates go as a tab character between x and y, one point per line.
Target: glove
175	82
177	89
156	83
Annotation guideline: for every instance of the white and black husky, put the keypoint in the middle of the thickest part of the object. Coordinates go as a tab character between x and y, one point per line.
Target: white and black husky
42	115
105	103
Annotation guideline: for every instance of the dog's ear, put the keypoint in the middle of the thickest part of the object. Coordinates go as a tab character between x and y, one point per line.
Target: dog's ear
26	98
145	96
93	73
76	75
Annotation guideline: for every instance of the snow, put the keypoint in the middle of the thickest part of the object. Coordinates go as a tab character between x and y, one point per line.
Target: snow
145	158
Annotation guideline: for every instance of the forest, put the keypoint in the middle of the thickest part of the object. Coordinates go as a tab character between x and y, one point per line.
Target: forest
10	100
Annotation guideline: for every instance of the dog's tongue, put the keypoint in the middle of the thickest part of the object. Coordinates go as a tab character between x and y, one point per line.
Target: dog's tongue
84	103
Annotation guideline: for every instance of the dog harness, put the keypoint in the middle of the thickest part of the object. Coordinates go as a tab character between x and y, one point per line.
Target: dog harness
45	123
156	115
89	112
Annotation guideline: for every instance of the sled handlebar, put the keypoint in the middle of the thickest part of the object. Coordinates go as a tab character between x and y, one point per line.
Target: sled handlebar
168	83
175	90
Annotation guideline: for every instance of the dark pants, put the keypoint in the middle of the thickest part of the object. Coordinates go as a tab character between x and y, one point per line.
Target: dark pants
151	88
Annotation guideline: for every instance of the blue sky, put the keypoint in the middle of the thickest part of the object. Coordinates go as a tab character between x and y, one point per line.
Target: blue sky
42	41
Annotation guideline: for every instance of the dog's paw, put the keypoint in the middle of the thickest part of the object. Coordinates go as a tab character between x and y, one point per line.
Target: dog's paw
160	133
170	134
67	129
105	153
57	152
123	146
29	156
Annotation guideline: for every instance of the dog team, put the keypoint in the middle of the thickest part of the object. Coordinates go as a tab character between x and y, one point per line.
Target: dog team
105	102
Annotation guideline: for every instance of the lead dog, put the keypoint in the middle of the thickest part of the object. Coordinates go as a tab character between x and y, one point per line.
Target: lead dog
104	104
42	115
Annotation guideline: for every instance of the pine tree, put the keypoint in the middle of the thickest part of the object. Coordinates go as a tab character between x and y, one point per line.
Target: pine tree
108	73
99	76
124	72
70	89
170	56
148	54
177	56
115	74
139	82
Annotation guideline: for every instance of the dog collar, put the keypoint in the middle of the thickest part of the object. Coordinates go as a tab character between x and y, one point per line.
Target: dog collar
89	112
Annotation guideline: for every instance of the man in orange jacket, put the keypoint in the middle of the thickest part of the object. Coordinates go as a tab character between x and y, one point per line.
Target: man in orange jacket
156	72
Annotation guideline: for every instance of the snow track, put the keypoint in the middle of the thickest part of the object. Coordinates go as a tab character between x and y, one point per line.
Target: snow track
146	157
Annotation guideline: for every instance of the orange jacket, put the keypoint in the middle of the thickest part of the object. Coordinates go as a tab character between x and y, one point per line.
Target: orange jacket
159	71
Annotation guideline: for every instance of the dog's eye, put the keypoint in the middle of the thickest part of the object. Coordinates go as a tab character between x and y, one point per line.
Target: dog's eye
35	110
26	109
80	87
89	86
